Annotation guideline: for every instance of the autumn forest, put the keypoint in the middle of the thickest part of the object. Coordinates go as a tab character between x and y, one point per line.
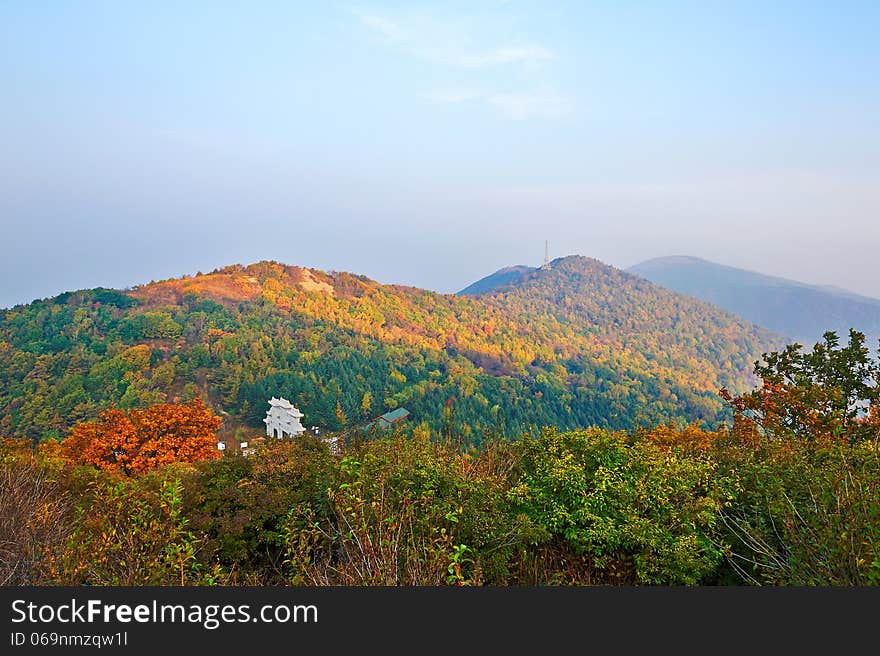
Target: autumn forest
570	425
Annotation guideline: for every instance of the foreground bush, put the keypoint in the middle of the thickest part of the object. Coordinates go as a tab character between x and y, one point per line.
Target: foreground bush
126	533
673	506
808	513
34	514
630	512
406	512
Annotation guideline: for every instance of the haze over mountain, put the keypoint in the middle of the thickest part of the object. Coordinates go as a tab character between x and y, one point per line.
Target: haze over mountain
578	344
801	311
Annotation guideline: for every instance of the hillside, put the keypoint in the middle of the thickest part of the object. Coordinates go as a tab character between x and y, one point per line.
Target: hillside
501	278
577	345
791	308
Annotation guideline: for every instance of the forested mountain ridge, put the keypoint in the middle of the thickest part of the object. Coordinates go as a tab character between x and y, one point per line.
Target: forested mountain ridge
579	344
616	307
501	278
801	311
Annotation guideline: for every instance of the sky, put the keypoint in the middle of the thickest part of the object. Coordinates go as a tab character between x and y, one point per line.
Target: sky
430	144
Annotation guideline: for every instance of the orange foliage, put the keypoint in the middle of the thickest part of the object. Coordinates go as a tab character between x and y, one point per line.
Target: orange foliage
233	284
690	439
140	440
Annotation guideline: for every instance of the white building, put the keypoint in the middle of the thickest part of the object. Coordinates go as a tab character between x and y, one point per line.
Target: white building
282	418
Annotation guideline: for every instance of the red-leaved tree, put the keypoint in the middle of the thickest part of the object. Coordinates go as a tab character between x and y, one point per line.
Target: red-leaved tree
140	440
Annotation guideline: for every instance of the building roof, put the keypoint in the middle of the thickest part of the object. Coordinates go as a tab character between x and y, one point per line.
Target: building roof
386	420
394	416
283	404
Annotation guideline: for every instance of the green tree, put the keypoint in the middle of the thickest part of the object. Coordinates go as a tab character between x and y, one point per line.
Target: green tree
366	404
829	391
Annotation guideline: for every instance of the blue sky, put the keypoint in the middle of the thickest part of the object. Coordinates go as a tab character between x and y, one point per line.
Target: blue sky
432	143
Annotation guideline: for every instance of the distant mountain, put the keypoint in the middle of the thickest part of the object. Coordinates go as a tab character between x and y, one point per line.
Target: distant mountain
578	344
500	278
803	312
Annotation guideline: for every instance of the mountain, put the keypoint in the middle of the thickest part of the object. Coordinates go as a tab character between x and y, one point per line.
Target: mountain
500	278
578	344
801	311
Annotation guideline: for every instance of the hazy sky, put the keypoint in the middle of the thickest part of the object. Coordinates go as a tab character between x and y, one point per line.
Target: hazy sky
430	144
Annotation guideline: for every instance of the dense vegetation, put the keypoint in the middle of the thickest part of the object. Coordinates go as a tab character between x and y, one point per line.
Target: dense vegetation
789	493
579	345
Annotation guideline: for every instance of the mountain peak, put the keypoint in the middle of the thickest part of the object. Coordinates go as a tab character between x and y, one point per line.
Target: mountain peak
575	262
236	283
510	277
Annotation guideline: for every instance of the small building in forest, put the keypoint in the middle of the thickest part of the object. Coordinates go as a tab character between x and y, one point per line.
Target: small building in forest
387	420
394	417
282	418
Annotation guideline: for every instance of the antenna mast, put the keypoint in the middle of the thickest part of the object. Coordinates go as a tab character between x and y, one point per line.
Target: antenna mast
546	264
